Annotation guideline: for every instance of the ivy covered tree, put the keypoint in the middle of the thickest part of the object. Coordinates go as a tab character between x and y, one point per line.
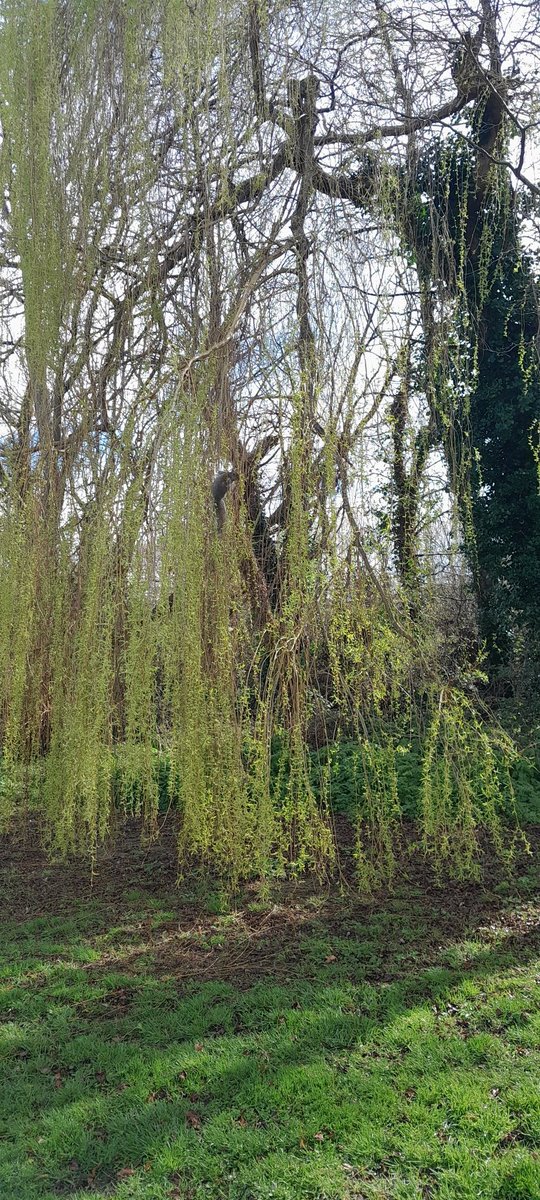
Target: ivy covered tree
465	231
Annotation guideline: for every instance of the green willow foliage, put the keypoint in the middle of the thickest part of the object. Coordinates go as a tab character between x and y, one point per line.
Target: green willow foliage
116	643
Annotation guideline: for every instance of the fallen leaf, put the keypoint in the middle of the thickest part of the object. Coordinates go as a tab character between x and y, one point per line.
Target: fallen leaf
161	1094
125	1172
318	1137
330	958
193	1120
199	1046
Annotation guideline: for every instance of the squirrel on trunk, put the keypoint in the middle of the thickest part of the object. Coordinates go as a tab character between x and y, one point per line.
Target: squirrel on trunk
220	486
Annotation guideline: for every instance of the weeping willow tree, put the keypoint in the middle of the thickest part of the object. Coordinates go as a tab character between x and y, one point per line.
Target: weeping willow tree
180	299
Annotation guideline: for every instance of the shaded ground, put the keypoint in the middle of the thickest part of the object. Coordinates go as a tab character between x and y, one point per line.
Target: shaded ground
161	1042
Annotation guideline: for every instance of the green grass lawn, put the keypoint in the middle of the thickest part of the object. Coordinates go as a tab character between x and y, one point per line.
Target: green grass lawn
160	1042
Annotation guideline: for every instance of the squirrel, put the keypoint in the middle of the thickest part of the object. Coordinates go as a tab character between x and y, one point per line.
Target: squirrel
220	486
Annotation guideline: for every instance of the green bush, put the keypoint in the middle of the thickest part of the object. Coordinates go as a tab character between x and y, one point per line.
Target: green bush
336	772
